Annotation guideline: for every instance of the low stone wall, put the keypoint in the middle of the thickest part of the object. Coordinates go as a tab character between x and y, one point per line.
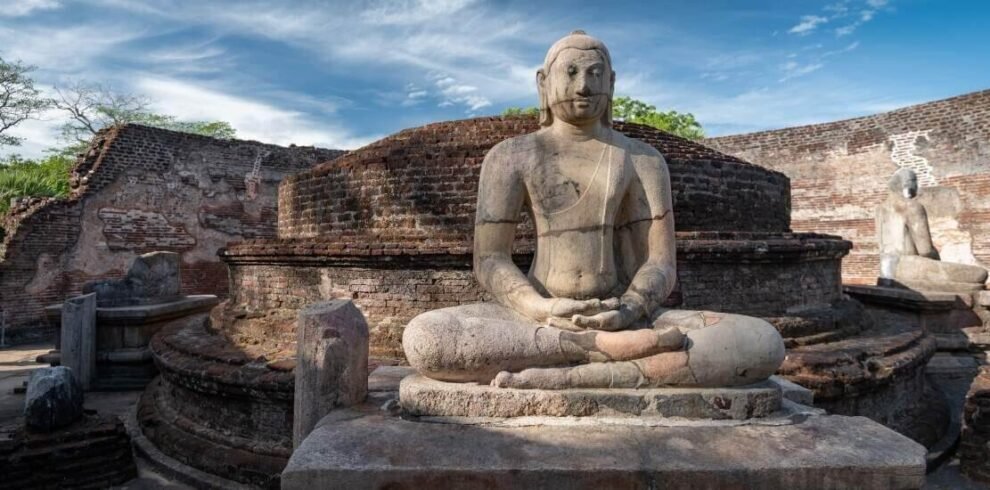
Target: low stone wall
136	190
771	273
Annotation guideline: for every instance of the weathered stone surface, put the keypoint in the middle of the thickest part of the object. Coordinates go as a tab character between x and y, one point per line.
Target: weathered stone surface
355	450
152	278
54	399
974	444
95	452
420	395
123	360
332	363
793	391
78	338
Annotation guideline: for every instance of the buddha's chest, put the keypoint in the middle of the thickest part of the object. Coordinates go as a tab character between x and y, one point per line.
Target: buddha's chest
580	183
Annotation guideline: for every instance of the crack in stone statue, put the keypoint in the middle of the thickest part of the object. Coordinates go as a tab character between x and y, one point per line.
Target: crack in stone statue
588	314
907	256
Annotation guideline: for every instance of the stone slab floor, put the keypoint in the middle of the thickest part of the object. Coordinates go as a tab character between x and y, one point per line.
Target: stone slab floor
17	362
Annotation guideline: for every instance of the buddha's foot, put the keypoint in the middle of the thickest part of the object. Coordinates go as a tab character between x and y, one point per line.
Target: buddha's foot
599	346
666	369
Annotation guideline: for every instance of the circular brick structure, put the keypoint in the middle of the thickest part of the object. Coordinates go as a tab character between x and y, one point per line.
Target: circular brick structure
390	226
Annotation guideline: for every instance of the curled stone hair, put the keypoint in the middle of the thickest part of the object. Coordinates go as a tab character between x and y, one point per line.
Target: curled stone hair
575	40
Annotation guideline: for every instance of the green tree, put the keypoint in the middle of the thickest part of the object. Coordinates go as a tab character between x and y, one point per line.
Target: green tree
92	107
636	111
521	111
19	100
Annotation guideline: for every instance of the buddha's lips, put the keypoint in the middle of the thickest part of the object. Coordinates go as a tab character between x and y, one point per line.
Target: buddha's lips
589	98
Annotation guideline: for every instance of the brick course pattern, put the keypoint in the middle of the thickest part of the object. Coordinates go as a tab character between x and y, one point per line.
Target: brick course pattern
421	183
139	189
839	171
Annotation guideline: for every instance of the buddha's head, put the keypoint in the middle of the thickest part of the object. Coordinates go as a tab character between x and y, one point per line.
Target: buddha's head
904	183
576	81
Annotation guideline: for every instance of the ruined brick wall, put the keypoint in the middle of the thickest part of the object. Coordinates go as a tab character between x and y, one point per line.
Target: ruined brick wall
138	190
422	182
839	171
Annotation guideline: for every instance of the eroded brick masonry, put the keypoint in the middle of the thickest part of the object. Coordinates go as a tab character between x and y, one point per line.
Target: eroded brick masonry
839	171
138	190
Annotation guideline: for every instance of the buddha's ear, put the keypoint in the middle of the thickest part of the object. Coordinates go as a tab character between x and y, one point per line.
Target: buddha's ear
607	115
546	117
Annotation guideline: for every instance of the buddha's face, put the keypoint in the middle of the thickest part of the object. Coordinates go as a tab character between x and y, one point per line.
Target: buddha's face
578	86
909	186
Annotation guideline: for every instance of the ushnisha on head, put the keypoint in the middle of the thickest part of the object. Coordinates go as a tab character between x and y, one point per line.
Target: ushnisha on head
576	82
904	183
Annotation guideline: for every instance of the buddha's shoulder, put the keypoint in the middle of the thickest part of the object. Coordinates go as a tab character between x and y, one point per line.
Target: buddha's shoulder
637	148
518	150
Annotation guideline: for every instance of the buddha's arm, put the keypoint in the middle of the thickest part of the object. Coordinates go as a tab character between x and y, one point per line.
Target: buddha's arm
920	234
654	280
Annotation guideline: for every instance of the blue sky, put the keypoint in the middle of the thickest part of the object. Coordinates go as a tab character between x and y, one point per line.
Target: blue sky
342	74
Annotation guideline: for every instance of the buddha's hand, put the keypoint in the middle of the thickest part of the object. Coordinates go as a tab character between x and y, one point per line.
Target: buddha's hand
615	319
558	312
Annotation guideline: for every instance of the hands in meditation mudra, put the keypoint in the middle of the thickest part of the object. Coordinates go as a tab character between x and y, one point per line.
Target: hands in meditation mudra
588	314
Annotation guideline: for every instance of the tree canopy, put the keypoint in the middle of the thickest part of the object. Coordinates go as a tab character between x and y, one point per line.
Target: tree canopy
19	99
636	111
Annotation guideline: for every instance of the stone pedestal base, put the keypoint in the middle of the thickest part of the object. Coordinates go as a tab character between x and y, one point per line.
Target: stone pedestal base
420	395
363	448
123	360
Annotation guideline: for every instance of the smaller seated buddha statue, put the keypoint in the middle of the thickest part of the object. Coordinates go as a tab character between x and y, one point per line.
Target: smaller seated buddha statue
907	256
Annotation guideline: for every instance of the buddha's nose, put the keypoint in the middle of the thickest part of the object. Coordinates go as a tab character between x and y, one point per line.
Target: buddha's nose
583	88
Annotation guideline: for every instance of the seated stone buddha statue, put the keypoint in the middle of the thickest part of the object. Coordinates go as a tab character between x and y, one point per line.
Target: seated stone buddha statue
907	255
588	312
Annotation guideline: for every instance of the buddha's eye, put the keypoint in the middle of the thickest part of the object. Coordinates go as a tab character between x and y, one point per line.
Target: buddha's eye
596	72
572	70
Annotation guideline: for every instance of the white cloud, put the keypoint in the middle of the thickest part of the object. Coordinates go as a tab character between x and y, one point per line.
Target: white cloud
877	3
20	8
252	119
807	25
793	69
64	50
404	12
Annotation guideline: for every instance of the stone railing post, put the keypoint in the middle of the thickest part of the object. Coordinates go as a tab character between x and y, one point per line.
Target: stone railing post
78	338
332	365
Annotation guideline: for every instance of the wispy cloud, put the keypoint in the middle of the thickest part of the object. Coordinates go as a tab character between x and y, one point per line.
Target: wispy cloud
20	8
251	118
807	25
793	69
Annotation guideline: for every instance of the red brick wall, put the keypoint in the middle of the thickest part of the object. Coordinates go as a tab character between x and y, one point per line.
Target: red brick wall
422	183
839	171
137	190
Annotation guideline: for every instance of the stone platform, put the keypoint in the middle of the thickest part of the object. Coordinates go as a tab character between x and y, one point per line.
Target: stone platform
800	448
123	333
421	396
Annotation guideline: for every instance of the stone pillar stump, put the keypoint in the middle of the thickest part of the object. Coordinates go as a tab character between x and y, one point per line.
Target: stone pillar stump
332	365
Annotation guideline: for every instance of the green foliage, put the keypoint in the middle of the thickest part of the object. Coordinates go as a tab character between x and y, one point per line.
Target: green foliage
19	100
521	111
636	111
48	177
92	107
